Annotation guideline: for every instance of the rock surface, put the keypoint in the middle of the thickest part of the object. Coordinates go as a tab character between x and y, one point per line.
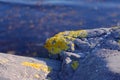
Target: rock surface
95	56
25	68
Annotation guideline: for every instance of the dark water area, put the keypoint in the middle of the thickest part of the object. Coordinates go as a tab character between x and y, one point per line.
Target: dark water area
26	24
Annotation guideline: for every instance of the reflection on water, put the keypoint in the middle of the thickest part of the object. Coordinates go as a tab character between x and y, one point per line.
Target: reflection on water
24	28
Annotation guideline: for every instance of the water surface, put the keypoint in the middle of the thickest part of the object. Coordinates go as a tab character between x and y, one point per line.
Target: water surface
26	24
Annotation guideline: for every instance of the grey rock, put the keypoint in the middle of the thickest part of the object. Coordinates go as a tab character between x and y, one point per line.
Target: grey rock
100	59
81	45
110	44
115	33
95	57
72	56
98	32
102	64
12	68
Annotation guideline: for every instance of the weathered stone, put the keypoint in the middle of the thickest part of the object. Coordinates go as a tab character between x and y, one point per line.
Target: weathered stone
97	32
102	64
94	57
81	45
25	68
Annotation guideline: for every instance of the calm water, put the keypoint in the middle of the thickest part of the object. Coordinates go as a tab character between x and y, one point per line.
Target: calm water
26	24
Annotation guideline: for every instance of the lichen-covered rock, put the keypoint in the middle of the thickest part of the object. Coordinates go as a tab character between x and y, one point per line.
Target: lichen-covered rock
95	56
24	68
92	54
63	41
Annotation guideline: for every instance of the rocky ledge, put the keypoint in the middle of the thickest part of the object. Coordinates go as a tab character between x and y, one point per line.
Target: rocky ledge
92	54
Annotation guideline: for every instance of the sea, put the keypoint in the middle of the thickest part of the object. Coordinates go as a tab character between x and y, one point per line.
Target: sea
25	25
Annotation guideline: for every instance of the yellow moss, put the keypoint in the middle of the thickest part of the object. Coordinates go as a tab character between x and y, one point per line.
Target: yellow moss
60	41
75	65
37	66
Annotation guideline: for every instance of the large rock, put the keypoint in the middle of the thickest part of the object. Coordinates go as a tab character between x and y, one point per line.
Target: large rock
94	56
25	68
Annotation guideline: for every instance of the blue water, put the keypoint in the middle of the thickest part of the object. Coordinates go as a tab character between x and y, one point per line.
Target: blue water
85	3
26	24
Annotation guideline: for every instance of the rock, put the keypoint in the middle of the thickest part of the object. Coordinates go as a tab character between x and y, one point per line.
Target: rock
95	56
97	32
82	45
102	64
73	56
25	68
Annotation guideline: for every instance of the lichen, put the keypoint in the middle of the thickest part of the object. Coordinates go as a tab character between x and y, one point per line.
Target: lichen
74	65
37	66
56	44
3	61
62	41
37	76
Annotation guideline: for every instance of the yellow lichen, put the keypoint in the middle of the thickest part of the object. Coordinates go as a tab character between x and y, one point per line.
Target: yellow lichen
75	65
60	42
36	76
37	66
56	44
2	61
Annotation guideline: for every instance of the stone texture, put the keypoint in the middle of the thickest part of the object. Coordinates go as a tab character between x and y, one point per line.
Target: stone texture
95	57
11	68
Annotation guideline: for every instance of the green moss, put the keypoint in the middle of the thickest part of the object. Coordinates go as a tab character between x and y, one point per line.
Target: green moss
75	65
62	41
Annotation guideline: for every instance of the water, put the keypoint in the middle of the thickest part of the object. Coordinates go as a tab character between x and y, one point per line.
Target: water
26	24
